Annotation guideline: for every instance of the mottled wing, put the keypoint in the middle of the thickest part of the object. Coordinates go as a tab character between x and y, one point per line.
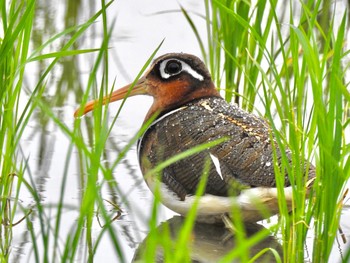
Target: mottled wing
243	161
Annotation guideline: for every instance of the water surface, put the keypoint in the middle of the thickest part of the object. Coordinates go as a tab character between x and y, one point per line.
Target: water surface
137	33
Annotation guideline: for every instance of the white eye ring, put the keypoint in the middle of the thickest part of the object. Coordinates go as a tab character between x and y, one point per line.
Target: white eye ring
185	67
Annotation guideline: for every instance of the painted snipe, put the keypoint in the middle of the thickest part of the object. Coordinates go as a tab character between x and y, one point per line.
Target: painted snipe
190	111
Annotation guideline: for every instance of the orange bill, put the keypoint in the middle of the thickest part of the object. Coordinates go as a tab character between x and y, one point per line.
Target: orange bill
138	89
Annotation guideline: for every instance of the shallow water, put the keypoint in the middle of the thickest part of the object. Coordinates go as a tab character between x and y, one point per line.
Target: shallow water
47	146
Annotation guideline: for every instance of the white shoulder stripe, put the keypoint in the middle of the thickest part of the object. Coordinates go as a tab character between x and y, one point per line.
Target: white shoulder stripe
154	123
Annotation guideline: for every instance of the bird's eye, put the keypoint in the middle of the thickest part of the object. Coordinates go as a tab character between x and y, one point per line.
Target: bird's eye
173	67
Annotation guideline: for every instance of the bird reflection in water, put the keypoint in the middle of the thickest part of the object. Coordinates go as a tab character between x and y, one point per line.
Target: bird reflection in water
210	242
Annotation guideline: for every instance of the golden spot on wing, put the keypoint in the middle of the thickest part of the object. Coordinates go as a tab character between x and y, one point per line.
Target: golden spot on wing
248	129
206	106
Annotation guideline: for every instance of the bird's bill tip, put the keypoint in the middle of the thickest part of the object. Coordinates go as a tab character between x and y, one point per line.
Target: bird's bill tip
128	90
87	108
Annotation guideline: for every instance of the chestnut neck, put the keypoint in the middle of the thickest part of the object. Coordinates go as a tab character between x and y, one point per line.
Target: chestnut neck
161	106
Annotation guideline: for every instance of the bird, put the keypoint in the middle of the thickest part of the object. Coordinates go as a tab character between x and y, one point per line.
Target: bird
188	111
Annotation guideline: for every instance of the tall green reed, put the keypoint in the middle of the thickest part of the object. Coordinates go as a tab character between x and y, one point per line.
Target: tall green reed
90	155
17	20
16	25
302	85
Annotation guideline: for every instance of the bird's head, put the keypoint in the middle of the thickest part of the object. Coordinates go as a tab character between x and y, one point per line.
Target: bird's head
173	80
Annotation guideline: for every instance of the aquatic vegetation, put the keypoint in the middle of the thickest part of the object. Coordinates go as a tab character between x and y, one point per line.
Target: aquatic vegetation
285	62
